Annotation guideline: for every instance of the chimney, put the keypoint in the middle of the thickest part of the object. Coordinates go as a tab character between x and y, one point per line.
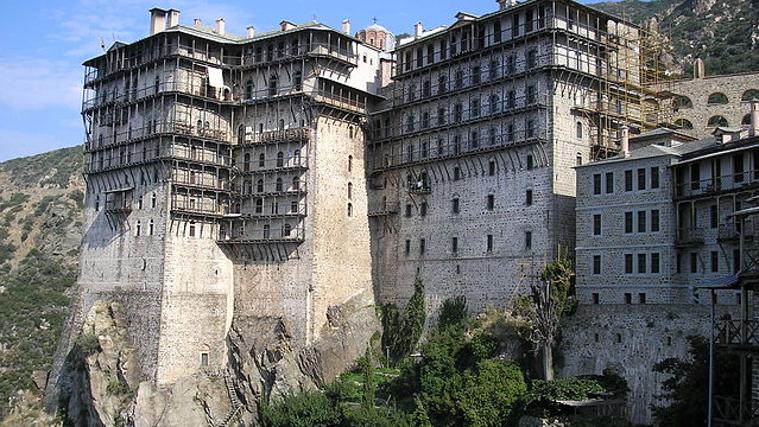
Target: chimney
220	26
197	23
346	26
418	30
173	18
754	131
505	4
157	20
698	69
625	141
251	31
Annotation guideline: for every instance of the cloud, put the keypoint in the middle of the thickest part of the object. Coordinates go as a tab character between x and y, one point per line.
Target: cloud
34	84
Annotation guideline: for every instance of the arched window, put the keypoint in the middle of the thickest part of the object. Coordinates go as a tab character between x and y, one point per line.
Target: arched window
717	98
280	159
746	121
350	132
715	121
350	190
139	203
138	228
683	124
296	183
286	229
750	95
578	130
278	185
350	163
249	89
97	203
259	206
153	201
261	160
246	162
296	156
681	102
267	231
350	209
260	186
151	227
281	124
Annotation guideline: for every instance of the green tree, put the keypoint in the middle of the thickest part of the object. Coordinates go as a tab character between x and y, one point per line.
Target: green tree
401	332
453	312
686	389
301	410
550	299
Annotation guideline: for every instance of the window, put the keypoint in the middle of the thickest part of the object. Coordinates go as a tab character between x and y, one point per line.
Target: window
530	95
515	25
278	185
628	300
259	206
655	263
491	202
298	80
204	359
192	229
714	261
490	243
628	222
578	159
151	227
408	247
717	121
474	108
628	263
713	217
642	298
641	221
528	198
455	205
738	167
596	264
694	262
578	130
531	59
609	182
458	79
641	179
261	160
456	173
442	84
408	210
426	88
455	245
350	189
596	300
280	159
441	116
422	247
476	74
491	168
642	263
494	102
273	80
683	124
597	183
597	224
717	98
267	231
530	163
430	53
423	209
528	239
629	180
654	177
138	229
655	220
458	112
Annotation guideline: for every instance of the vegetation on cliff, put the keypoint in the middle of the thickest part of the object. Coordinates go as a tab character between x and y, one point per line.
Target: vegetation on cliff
40	230
724	33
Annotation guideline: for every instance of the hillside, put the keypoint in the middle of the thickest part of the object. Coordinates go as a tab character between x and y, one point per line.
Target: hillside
725	33
40	231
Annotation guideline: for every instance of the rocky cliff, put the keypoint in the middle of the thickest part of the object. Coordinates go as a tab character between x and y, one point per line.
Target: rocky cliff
725	33
40	231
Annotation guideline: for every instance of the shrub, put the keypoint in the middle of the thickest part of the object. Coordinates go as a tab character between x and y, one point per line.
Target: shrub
401	333
453	312
88	344
301	410
540	398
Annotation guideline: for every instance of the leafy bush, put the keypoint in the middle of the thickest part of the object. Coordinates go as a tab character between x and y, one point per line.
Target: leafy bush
453	312
301	410
88	344
540	398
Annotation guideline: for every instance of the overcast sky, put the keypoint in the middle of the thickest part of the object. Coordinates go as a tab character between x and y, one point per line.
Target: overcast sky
43	44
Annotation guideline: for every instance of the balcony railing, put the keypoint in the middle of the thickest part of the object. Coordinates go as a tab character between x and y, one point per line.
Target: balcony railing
728	410
135	95
263	235
690	236
384	209
166	127
198	207
272	165
277	136
202	182
710	186
730	332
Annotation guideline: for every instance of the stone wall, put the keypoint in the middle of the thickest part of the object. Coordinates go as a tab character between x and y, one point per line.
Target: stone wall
630	340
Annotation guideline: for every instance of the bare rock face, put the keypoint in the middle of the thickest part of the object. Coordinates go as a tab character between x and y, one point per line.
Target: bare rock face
266	366
103	388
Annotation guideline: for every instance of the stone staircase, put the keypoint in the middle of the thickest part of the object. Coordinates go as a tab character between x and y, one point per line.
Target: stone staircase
237	406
